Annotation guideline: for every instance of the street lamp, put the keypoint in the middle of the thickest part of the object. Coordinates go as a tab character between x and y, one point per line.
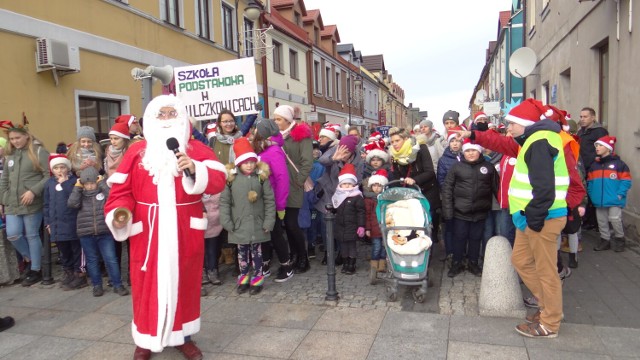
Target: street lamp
355	96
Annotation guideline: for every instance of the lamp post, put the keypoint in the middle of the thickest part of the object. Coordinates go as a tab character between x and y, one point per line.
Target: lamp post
355	96
254	12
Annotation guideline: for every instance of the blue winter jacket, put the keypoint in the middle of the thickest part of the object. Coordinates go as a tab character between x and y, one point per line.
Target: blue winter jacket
60	218
448	159
608	182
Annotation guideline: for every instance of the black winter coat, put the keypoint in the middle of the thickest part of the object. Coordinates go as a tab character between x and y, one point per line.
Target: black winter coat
91	209
422	171
60	218
468	190
588	137
350	215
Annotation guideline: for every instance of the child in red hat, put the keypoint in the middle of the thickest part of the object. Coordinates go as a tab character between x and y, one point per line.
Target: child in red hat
350	216
248	213
377	182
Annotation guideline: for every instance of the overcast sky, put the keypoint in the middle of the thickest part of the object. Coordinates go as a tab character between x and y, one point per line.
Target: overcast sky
435	50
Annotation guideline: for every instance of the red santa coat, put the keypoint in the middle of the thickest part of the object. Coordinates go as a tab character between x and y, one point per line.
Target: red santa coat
166	242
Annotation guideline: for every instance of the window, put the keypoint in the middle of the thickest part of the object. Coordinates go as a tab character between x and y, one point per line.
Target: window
316	77
293	64
248	38
227	27
99	114
296	18
327	76
339	87
171	12
277	57
203	19
603	77
532	16
316	35
545	93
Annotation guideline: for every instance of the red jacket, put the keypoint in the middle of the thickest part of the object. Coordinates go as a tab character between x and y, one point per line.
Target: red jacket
371	223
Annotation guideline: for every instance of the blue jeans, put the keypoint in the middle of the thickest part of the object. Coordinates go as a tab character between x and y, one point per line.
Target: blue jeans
505	226
378	251
23	231
490	228
212	247
467	232
94	246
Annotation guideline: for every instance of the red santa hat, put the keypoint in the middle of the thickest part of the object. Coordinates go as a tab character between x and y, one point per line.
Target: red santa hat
480	115
468	145
379	176
375	149
375	136
243	151
210	130
57	159
558	115
501	126
608	141
120	130
526	113
327	132
453	133
348	174
127	119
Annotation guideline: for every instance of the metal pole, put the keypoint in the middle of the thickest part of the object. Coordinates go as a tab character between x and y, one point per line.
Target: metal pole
349	97
47	279
147	84
332	294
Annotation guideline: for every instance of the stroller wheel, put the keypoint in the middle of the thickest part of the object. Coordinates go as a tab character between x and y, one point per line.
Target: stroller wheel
418	296
392	295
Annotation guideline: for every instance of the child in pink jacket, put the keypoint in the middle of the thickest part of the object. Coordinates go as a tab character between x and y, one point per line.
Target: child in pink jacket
212	241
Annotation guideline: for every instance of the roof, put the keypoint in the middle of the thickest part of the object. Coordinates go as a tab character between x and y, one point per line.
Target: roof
503	20
286	4
345	48
330	30
373	62
286	26
313	15
352	67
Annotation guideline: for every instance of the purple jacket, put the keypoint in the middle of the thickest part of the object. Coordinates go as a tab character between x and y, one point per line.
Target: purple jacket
279	179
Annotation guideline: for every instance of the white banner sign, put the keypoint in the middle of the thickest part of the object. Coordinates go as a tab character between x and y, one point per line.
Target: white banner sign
491	108
207	89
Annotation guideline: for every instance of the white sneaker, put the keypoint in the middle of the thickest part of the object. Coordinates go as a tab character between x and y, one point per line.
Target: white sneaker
565	273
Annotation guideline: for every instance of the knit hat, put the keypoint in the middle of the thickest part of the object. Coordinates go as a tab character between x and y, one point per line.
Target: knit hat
328	133
379	177
416	128
120	130
126	119
608	141
347	174
375	136
210	130
57	159
88	175
244	152
267	128
350	141
286	111
468	145
451	115
86	132
375	149
479	116
427	123
453	133
526	113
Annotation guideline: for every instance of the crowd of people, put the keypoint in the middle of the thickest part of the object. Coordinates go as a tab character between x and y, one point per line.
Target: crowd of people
186	201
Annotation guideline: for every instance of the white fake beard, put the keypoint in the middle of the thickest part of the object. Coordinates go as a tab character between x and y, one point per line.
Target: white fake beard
158	160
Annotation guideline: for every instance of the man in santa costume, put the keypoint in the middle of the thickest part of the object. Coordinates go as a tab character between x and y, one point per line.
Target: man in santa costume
166	227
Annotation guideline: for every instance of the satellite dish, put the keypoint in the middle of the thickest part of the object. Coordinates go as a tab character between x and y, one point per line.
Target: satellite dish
481	96
522	62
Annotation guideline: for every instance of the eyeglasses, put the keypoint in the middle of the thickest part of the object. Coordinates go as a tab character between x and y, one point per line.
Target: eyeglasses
228	122
172	114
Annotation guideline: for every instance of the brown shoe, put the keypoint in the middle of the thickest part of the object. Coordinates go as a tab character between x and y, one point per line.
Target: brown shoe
535	330
141	354
533	318
190	351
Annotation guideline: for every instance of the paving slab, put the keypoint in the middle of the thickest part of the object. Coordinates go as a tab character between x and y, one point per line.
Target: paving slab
409	348
572	338
105	351
92	326
351	320
333	345
466	350
482	330
235	312
620	341
551	354
418	325
267	341
291	316
10	341
214	337
45	322
49	347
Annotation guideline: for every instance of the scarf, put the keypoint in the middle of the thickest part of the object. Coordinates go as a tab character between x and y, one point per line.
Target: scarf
342	194
406	155
113	159
229	140
286	132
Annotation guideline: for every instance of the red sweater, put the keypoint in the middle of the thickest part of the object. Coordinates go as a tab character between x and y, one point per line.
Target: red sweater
371	223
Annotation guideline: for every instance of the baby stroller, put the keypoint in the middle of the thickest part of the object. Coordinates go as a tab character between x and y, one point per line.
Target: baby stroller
405	221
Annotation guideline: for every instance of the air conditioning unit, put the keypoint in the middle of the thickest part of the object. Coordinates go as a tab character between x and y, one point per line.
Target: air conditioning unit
55	54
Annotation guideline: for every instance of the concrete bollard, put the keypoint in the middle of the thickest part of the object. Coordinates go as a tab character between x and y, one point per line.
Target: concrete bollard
8	262
500	293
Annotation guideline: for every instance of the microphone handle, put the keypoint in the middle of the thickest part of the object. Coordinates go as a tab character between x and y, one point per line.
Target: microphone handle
186	172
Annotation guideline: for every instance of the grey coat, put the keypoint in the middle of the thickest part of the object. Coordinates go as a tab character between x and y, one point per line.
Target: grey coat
19	176
247	221
91	204
299	149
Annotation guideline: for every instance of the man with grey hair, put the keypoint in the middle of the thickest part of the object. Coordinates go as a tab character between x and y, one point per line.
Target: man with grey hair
432	141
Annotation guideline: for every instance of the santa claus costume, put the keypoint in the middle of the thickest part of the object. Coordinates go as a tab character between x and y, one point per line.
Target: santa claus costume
166	229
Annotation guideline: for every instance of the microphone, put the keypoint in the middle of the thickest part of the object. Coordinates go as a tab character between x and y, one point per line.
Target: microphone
173	145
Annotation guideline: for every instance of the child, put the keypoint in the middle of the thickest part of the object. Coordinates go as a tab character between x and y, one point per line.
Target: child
89	196
608	182
376	157
248	213
60	221
212	241
450	157
466	198
376	183
119	138
350	216
85	152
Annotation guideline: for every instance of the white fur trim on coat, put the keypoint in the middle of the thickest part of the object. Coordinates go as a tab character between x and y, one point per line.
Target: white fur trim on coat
377	179
119	234
154	343
198	223
200	184
378	153
117	178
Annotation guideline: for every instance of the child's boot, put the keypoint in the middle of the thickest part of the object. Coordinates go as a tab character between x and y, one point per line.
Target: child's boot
243	284
79	281
373	272
618	244
256	285
67	277
573	260
382	265
351	266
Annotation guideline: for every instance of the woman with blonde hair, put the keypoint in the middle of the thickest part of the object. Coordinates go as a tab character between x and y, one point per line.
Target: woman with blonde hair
26	170
86	151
